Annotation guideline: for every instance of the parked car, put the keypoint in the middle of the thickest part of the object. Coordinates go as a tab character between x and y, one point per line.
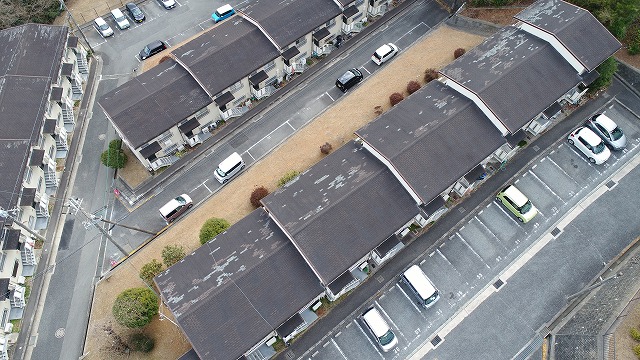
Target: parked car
590	144
516	202
134	11
384	53
120	19
608	130
228	168
168	4
102	27
175	207
380	329
152	49
223	12
349	79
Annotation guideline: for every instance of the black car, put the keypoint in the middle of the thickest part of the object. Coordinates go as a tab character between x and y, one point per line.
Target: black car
134	11
348	79
152	49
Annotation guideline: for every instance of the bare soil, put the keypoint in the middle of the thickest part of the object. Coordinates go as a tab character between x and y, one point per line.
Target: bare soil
232	203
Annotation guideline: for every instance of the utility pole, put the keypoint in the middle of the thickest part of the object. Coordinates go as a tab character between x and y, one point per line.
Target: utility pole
598	284
5	214
76	204
64	6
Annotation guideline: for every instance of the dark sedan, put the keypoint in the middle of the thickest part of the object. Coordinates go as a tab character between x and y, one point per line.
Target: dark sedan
134	11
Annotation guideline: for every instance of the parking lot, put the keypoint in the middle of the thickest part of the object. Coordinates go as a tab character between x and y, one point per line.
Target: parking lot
473	256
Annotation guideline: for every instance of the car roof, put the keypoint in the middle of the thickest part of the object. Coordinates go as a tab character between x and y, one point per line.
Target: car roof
100	21
348	75
606	122
116	11
383	49
376	322
420	282
515	195
224	8
230	161
589	136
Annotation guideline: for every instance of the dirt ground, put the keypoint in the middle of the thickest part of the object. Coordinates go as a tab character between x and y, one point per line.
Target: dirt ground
232	202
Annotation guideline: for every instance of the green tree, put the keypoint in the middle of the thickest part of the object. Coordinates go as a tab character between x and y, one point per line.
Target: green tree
114	157
211	228
606	70
150	270
135	307
171	254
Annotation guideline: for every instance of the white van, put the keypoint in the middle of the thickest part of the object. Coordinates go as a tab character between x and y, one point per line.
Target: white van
228	168
380	330
176	207
421	286
120	19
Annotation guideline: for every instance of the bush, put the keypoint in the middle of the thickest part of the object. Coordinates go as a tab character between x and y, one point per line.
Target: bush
171	254
211	228
326	148
634	45
141	342
150	270
636	350
458	52
395	98
606	71
413	86
635	334
257	194
114	157
135	307
430	74
288	177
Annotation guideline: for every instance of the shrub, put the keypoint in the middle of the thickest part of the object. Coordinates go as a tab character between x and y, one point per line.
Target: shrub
636	350
114	157
395	98
141	342
326	148
171	254
288	177
430	74
377	110
211	228
257	194
634	45
635	334
413	86
150	270
606	71
458	52
135	307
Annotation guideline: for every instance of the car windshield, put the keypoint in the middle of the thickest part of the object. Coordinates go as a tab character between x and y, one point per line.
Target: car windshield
616	133
599	148
181	200
220	172
146	50
526	207
120	18
135	11
104	27
387	338
377	55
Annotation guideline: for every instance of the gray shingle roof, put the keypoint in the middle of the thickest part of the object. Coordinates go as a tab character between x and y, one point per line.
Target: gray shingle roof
580	32
154	102
288	20
238	287
333	211
433	138
228	53
30	58
514	67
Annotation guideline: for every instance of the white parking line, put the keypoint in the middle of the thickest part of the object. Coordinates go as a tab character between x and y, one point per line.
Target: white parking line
332	99
368	339
487	228
410	300
413	28
546	186
340	350
562	170
365	69
473	251
205	186
509	216
391	321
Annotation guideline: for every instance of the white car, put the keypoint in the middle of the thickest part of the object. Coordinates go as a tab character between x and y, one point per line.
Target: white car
608	130
120	19
384	53
590	144
102	27
168	4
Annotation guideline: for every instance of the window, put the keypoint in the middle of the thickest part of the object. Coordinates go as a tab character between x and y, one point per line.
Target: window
269	66
171	149
235	87
330	23
40	184
164	136
16	264
27	175
201	113
3	259
51	151
239	100
32	221
301	41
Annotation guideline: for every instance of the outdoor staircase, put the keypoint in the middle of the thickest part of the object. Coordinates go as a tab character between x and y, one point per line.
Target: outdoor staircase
68	117
256	355
27	255
264	92
163	161
234	112
83	66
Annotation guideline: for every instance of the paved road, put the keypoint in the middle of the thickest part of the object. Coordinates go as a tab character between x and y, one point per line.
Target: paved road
59	331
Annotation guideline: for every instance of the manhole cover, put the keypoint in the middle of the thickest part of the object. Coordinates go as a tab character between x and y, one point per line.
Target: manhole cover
555	232
498	284
436	340
60	333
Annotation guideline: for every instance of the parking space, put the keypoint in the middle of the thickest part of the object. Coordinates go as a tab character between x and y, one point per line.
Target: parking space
466	261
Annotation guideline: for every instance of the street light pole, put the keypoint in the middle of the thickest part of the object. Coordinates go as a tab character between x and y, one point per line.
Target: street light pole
64	6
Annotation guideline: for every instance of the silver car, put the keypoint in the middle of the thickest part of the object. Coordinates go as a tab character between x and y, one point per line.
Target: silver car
589	144
608	130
